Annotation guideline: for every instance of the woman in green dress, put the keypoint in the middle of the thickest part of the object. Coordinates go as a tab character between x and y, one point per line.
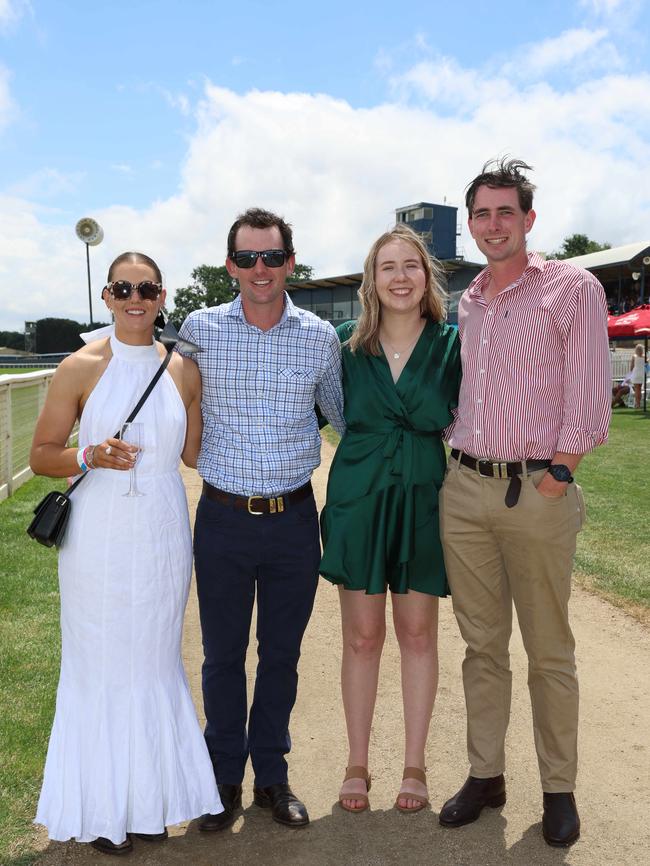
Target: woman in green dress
401	374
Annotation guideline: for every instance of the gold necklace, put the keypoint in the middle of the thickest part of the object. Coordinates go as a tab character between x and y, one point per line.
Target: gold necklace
397	355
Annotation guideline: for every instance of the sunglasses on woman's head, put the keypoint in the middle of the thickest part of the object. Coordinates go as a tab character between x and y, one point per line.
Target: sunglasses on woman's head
122	290
248	258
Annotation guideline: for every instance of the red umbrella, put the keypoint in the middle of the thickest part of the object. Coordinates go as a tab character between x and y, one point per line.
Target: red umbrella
632	324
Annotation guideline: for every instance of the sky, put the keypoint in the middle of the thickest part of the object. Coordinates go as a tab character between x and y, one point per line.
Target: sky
164	120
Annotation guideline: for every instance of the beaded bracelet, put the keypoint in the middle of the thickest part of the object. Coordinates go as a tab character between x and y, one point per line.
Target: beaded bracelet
80	460
89	456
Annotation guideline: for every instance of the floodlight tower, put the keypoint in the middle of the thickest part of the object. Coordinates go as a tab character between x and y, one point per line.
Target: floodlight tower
91	233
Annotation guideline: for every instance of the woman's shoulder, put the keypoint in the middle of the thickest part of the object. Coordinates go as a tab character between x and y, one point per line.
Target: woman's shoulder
86	359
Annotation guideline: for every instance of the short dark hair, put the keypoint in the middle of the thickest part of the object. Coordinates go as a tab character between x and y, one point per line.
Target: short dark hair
503	173
257	218
134	258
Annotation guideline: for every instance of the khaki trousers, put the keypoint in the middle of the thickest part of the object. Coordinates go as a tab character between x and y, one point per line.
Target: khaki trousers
496	555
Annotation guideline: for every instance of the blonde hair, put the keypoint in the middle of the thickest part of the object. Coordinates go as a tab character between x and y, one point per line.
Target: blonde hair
639	350
432	305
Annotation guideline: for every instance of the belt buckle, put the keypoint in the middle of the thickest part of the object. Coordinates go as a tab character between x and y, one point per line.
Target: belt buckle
490	464
276	505
248	505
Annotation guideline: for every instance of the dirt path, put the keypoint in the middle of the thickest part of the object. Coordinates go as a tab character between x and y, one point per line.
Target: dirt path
613	789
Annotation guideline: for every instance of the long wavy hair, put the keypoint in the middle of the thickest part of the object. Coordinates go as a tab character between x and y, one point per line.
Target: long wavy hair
432	305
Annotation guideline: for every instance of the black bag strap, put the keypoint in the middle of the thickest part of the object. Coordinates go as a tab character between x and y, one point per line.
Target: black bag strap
137	408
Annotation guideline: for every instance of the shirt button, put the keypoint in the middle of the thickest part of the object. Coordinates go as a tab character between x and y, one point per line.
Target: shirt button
484	342
479	401
478	432
482	372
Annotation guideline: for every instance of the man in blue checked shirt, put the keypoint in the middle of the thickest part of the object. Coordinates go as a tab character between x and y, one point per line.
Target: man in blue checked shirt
265	364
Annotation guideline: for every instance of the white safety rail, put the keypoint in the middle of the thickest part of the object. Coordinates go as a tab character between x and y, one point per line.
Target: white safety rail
21	399
621	360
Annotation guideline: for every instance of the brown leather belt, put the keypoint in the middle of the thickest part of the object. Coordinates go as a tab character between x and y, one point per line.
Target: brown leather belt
258	505
490	469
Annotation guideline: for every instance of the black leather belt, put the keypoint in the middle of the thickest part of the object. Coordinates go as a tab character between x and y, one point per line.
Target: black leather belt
258	505
491	469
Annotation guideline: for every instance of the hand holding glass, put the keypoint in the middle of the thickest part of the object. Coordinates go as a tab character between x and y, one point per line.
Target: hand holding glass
133	434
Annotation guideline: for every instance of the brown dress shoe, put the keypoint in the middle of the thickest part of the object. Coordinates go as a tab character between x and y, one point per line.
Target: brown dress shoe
465	806
560	822
286	807
231	801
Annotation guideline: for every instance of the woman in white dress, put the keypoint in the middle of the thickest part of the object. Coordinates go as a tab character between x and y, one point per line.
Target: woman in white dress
126	755
637	368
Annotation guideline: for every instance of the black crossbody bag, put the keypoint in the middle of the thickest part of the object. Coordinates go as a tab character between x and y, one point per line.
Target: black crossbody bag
52	513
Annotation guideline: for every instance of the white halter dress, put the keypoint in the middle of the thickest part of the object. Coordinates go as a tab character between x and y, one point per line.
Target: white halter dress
126	753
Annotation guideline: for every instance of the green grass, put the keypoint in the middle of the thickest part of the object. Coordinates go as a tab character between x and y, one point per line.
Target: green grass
30	652
613	556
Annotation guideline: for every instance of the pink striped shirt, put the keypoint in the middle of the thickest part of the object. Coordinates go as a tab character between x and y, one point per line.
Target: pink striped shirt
536	368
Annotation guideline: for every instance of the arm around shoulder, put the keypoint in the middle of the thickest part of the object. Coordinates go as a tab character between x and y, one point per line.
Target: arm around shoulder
192	388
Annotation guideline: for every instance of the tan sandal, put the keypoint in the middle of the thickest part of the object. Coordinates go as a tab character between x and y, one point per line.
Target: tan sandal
356	773
420	776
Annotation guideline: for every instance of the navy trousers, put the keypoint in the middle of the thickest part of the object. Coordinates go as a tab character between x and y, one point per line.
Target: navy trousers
238	555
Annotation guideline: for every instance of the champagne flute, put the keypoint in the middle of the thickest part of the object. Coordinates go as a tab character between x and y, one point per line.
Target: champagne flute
132	433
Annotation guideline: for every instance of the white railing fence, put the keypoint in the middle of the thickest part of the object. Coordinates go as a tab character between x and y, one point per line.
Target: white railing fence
621	360
21	399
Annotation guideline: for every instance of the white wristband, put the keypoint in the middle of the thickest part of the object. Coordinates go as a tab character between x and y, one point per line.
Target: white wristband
80	460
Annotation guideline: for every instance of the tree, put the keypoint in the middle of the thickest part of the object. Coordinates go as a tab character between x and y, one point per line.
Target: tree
578	245
60	335
12	340
301	273
213	285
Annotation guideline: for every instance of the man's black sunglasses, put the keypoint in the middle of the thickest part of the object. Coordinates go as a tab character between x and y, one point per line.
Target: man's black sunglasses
248	258
123	289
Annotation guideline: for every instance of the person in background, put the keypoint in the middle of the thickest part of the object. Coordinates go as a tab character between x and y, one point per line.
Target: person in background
637	369
401	370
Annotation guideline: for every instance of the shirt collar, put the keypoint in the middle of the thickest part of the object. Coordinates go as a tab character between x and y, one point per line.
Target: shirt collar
289	311
535	263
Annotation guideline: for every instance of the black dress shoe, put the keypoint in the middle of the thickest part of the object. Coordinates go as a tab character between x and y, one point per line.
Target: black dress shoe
286	807
560	822
107	847
466	805
152	837
231	801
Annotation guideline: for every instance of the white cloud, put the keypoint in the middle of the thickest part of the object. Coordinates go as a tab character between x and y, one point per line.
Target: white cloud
46	184
7	12
338	172
12	10
7	106
605	7
122	167
580	45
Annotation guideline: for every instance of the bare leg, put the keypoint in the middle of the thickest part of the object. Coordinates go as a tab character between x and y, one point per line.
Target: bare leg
637	396
363	621
415	616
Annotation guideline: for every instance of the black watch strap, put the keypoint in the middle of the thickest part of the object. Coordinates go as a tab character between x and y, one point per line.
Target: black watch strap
561	472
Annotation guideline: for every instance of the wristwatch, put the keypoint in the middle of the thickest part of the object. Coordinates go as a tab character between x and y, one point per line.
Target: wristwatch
561	472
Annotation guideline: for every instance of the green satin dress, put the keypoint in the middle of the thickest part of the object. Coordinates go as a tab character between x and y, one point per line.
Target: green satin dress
380	522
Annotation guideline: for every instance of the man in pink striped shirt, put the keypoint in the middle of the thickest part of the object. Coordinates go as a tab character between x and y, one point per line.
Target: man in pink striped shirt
535	397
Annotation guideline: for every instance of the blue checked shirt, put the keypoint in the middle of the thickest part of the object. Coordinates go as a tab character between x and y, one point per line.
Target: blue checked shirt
260	432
